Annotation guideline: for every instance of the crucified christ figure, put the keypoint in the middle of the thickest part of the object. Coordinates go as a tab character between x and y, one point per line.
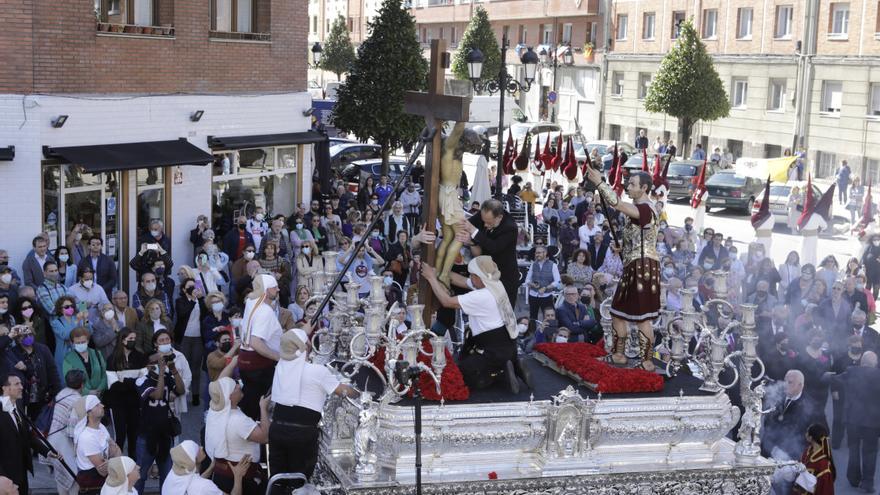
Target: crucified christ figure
459	141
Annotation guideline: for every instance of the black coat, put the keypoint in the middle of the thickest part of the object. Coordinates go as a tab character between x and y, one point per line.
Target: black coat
183	307
41	364
105	275
785	427
500	244
862	384
17	459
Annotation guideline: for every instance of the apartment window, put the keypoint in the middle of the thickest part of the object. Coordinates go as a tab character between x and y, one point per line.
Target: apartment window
452	34
648	26
744	23
547	34
441	33
874	109
740	93
617	83
839	20
832	96
614	132
644	84
566	33
784	14
314	24
710	23
505	32
621	26
593	33
776	95
523	37
677	18
235	16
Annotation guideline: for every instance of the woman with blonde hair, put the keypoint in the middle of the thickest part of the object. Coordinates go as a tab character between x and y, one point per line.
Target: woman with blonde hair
154	319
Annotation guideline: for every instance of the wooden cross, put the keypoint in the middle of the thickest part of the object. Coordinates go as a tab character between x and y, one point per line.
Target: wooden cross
437	108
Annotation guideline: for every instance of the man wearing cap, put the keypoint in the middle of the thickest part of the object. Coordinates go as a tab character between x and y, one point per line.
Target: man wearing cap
261	343
299	390
489	351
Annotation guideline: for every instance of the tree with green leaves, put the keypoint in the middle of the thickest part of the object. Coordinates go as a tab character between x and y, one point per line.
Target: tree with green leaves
369	104
338	53
479	35
687	86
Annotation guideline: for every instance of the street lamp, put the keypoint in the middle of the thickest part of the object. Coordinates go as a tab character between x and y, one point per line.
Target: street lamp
316	54
504	83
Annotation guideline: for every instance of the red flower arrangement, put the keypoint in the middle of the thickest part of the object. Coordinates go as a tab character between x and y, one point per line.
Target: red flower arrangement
580	359
452	386
493	475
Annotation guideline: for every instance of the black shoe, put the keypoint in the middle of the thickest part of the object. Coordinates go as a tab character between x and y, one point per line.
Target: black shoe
523	372
512	380
195	401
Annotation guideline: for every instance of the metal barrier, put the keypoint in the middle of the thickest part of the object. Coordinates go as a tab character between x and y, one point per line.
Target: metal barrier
284	476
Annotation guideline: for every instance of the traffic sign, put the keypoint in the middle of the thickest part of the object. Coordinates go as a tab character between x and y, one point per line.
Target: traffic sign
551	97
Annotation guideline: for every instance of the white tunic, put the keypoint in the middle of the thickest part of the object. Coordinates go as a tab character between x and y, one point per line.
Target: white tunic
260	321
314	383
482	310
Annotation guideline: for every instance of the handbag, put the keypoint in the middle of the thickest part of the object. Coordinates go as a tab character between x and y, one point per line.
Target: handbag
175	428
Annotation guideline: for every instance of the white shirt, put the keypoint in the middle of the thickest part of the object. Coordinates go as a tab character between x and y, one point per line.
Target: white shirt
193	325
262	323
91	441
482	311
317	383
586	233
197	485
238	429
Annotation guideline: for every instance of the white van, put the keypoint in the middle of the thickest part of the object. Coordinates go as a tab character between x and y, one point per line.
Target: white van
484	112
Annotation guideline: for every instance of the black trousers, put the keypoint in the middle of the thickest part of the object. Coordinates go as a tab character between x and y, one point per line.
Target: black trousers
838	426
862	443
293	449
126	419
537	304
484	356
257	383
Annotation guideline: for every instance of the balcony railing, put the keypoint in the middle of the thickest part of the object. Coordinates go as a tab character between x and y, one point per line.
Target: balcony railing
133	29
231	35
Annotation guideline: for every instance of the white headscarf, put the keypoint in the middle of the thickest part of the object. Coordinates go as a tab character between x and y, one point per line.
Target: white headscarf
89	402
118	470
6	403
290	369
184	469
217	419
487	270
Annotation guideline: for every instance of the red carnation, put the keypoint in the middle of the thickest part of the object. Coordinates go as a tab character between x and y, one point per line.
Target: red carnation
493	475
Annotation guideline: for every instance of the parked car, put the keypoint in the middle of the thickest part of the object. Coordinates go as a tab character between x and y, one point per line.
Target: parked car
330	90
356	172
519	133
606	151
634	163
681	176
779	194
315	90
341	155
727	189
580	149
335	141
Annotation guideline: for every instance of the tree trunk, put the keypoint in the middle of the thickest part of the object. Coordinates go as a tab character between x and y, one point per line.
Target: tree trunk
386	151
685	128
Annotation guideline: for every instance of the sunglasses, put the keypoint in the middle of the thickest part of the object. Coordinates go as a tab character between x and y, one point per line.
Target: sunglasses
66	306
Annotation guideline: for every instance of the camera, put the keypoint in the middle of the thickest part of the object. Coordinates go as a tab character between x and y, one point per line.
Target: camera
153	247
168	359
404	373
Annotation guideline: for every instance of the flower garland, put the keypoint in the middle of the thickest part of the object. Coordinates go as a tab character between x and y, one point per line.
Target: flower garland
580	359
452	386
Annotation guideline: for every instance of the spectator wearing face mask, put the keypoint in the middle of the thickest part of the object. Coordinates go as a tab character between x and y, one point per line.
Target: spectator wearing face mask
34	364
190	308
789	270
222	354
829	271
8	285
89	361
239	267
716	250
121	396
237	239
779	358
835	313
801	286
257	226
209	277
149	259
86	291
849	357
105	328
148	290
577	317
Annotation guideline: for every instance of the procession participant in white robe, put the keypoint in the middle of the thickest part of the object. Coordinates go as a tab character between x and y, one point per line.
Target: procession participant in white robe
184	478
122	474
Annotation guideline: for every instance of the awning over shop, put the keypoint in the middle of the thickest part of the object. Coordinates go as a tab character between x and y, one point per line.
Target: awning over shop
259	141
321	142
129	156
7	154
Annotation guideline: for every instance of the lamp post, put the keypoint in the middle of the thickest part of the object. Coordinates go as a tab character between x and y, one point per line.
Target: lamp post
316	55
503	84
551	59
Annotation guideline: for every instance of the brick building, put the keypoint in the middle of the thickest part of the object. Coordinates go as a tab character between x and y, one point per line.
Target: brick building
119	112
543	25
798	74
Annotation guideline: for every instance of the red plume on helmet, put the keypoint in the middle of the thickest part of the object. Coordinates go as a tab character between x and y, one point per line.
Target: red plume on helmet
556	165
763	212
823	206
700	187
809	204
547	155
522	158
867	208
570	169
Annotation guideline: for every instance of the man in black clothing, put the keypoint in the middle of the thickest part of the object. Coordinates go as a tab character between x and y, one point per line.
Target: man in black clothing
598	248
493	233
642	140
16	436
861	385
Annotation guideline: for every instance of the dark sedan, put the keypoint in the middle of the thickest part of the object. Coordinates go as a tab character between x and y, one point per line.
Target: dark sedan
728	190
681	176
